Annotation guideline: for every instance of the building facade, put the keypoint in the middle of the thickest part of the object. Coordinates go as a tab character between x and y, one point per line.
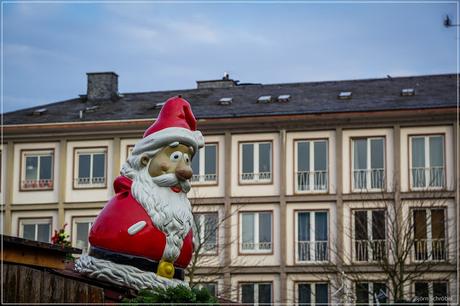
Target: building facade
296	193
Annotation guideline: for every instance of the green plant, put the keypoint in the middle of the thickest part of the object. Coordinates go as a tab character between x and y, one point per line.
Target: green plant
174	295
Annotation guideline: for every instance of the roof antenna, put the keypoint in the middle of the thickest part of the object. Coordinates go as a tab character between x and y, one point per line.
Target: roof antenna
448	23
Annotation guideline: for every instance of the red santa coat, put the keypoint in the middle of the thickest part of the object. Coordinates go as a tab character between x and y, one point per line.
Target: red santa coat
110	229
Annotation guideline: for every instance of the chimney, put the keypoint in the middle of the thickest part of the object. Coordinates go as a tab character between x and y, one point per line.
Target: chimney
102	86
225	82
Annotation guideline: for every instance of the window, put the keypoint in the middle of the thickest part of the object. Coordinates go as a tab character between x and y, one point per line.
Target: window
256	293
80	232
368	163
369	235
427	162
311	169
90	168
312	294
312	236
204	165
129	150
374	293
431	293
37	170
256	162
430	234
211	287
35	229
256	232
206	231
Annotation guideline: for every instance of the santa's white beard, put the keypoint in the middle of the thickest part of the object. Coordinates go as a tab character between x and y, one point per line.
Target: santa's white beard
170	212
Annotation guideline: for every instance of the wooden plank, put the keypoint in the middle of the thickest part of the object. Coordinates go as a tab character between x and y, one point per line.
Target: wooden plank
24	284
95	294
35	285
47	287
57	290
10	275
35	257
81	292
70	293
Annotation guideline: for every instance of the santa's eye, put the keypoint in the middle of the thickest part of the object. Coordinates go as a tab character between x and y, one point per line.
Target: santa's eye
176	156
186	158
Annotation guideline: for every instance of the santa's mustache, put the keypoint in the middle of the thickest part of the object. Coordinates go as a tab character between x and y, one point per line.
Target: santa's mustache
171	180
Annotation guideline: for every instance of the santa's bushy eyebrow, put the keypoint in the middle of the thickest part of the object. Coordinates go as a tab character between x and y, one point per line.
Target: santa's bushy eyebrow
174	144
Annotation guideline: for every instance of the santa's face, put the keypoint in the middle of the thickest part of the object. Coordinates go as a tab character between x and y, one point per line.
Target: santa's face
161	187
172	165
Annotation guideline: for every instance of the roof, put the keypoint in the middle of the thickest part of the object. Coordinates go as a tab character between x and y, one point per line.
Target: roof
21	242
431	91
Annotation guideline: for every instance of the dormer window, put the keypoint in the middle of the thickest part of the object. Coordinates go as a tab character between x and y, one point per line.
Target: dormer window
345	95
284	98
264	99
159	105
225	101
39	112
407	92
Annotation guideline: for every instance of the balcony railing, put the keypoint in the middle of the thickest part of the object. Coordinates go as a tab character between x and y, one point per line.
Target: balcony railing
256	177
427	177
312	250
430	249
364	179
37	184
312	180
209	246
370	250
90	181
204	178
256	246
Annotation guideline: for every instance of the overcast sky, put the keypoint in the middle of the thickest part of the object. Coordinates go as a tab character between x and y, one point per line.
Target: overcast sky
48	48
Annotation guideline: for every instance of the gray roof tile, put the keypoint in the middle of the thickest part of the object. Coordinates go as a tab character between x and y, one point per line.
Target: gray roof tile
431	91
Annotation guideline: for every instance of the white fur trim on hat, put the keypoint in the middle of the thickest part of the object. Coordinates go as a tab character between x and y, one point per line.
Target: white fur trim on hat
166	136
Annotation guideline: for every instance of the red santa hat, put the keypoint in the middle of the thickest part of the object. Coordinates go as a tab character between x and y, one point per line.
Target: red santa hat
175	123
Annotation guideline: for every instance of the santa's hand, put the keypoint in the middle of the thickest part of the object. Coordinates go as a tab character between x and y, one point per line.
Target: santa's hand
165	269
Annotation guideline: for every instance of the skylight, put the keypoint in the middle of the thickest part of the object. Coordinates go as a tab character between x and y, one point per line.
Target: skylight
264	99
344	95
225	101
284	98
40	111
407	92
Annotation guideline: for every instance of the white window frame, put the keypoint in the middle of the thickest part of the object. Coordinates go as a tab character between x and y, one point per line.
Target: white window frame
201	178
368	165
311	172
256	290
75	220
91	152
370	255
312	242
429	235
427	162
256	174
371	290
201	216
26	221
36	153
431	290
201	285
312	291
256	249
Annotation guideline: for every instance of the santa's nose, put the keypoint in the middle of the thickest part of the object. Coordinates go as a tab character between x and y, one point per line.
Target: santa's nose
184	173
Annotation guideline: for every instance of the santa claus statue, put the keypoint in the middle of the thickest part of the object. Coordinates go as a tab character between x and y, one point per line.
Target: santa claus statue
143	237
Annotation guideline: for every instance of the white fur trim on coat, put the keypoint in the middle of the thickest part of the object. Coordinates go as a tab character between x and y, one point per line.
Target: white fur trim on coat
169	135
